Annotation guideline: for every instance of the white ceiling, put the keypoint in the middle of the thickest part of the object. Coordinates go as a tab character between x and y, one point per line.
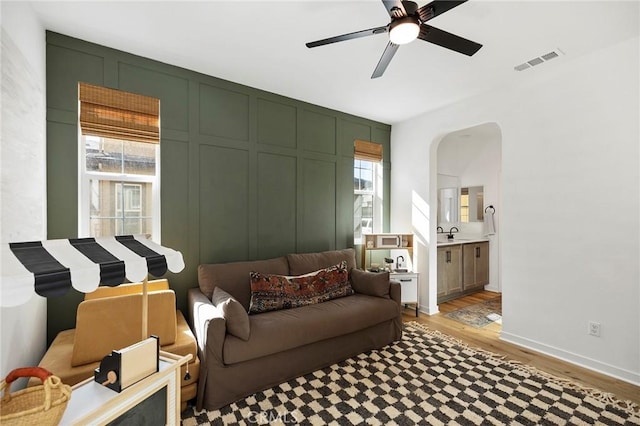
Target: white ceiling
262	44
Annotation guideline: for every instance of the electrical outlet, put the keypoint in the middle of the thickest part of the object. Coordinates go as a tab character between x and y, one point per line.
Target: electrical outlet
594	328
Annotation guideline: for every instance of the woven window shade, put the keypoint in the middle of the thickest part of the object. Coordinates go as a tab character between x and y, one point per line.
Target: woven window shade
116	114
368	151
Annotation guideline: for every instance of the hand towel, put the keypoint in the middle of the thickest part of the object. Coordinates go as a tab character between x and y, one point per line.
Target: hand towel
489	225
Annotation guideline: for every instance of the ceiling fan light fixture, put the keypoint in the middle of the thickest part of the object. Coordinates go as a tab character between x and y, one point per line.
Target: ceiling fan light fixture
404	30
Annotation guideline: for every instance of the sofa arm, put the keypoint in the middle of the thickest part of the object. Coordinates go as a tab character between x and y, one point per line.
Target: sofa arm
395	291
209	326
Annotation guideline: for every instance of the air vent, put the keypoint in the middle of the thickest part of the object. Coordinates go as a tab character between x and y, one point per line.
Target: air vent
539	60
549	55
535	61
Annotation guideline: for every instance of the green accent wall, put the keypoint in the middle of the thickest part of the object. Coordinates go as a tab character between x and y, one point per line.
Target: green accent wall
245	174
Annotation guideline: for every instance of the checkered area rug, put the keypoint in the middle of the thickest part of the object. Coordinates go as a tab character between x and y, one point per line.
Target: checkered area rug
427	378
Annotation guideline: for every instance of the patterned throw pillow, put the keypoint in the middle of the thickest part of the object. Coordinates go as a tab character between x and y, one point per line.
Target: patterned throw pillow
273	292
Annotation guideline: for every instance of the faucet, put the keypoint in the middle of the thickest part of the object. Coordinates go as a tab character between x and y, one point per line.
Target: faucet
439	230
450	234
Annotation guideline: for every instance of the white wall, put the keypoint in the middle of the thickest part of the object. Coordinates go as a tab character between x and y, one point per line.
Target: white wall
570	228
23	172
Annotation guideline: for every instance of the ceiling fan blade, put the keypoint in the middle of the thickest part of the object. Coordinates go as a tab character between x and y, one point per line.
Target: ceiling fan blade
350	36
395	8
448	40
387	55
437	7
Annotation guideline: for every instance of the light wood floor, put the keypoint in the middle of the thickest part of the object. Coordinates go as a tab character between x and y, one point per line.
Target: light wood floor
488	338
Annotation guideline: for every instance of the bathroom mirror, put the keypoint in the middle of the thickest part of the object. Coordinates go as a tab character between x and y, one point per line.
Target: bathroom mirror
461	205
472	204
448	205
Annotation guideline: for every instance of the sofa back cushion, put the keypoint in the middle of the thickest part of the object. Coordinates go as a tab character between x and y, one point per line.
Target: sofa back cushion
113	323
234	277
274	292
304	263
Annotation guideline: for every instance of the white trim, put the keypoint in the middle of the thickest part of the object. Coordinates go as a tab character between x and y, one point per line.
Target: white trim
570	357
429	310
156	206
378	205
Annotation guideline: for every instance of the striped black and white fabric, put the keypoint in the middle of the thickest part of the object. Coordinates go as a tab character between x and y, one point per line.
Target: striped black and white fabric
51	267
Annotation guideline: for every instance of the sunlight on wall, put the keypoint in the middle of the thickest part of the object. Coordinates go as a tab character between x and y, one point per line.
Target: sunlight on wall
420	221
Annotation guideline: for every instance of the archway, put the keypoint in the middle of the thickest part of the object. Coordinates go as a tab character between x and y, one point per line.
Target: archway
468	157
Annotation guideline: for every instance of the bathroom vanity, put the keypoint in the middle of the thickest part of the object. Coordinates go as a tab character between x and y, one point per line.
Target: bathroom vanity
463	267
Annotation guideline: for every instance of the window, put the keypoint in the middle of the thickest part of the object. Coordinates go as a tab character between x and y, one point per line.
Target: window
367	189
464	205
119	166
129	220
363	198
117	187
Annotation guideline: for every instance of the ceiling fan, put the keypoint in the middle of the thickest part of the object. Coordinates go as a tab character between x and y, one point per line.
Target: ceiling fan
408	22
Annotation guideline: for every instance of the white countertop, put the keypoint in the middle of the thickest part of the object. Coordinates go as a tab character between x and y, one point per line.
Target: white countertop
463	239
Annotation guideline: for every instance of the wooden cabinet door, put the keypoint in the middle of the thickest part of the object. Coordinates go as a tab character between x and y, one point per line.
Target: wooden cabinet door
468	266
442	273
449	270
482	264
454	270
475	269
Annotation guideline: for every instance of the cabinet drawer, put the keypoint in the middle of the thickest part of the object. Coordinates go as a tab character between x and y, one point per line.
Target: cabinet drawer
409	284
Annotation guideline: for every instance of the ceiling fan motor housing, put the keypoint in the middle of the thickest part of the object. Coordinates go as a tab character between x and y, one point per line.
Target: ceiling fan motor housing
404	30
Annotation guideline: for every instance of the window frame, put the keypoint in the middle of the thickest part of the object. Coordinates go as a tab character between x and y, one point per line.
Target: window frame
377	217
84	189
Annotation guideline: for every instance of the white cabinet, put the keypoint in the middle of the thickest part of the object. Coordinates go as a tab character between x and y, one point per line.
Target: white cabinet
409	284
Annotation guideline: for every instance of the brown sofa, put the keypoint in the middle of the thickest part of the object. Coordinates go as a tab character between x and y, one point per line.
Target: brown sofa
110	318
284	344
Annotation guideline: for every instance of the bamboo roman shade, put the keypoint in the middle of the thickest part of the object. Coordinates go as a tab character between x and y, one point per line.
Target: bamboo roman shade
368	151
116	114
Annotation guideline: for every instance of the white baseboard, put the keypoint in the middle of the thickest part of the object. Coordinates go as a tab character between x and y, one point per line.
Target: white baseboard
490	287
591	364
428	311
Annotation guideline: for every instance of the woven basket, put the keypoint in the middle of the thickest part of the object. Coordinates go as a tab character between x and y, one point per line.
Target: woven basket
37	405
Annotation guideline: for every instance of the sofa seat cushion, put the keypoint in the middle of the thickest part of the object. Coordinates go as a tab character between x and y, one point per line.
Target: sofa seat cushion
278	331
